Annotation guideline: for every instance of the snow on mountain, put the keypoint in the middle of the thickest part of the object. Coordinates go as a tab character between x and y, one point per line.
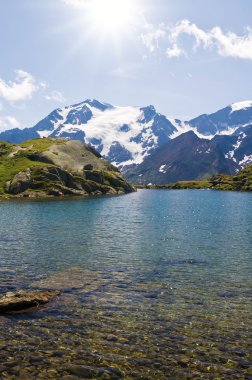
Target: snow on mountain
187	157
124	135
237	147
184	127
247	160
241	105
127	135
225	121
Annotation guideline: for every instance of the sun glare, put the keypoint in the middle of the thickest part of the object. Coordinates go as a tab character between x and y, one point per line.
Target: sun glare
110	15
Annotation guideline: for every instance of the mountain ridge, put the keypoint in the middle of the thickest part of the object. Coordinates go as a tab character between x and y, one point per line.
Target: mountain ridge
186	158
127	136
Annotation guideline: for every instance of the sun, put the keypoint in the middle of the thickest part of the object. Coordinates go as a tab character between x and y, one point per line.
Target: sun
110	16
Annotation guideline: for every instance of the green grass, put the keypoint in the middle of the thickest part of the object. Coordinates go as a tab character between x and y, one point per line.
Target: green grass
41	144
9	166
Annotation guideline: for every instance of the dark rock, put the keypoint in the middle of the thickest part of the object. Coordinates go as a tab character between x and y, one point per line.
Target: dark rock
119	183
22	299
88	167
85	371
82	371
94	175
118	153
38	156
19	183
185	158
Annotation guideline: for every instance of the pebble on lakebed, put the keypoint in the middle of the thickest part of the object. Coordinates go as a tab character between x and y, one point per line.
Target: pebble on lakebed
25	299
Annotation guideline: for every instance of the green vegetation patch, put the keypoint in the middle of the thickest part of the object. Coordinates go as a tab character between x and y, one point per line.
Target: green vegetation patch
41	144
13	161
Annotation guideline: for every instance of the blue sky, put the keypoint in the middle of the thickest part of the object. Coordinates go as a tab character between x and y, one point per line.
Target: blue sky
186	57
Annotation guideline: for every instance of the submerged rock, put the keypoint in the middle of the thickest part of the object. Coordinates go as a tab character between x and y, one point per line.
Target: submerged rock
23	299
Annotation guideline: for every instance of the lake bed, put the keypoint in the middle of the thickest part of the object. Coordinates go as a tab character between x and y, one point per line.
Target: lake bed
154	285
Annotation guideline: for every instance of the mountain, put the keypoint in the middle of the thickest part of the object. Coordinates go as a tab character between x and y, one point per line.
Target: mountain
127	136
238	146
56	167
17	136
187	157
242	181
225	121
123	135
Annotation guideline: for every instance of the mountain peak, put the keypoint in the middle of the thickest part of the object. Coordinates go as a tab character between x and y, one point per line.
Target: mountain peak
241	105
148	113
96	104
92	103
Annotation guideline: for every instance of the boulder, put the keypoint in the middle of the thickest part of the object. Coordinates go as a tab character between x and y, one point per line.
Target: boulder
94	175
23	299
19	183
88	167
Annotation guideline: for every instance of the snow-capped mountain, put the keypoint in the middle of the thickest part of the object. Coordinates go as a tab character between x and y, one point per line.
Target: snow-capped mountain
224	122
237	147
127	136
187	157
123	135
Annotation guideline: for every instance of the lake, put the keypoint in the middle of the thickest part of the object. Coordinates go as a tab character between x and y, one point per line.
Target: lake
154	285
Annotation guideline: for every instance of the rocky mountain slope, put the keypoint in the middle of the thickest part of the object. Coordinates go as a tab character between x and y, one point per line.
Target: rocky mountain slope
185	158
56	167
128	136
189	157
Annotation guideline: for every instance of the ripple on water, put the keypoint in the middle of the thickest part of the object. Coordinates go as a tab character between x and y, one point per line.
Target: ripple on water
132	305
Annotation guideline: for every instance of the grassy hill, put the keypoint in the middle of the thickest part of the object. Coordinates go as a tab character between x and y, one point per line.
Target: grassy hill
56	167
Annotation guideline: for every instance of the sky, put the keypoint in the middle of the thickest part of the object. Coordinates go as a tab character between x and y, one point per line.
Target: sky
185	57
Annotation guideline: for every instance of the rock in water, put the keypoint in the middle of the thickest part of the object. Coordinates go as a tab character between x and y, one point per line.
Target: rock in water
23	299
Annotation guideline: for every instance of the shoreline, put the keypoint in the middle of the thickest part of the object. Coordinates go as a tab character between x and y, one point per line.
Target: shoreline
60	197
165	187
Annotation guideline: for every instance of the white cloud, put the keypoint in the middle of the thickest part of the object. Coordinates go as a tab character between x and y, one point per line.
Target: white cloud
186	27
152	36
56	96
21	89
174	51
227	44
8	122
232	45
